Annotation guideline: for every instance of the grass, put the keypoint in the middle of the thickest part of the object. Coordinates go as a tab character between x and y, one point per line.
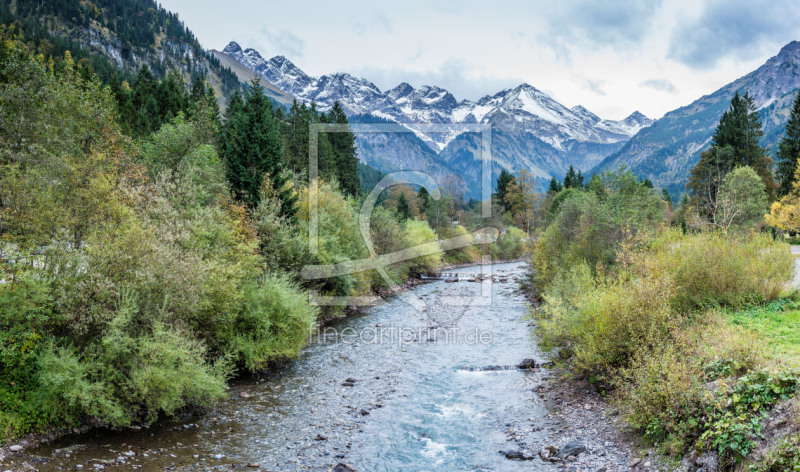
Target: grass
778	325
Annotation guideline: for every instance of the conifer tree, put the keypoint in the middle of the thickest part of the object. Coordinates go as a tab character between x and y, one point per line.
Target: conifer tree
735	143
403	208
503	181
573	179
345	160
555	186
424	199
789	149
251	148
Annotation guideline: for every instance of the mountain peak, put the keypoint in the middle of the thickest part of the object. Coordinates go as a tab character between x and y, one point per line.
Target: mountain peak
581	112
638	118
793	47
527	87
232	48
253	53
402	90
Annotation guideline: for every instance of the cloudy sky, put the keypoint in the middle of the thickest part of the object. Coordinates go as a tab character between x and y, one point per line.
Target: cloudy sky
611	57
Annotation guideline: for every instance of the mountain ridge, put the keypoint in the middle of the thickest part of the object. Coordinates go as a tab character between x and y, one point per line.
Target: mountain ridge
523	113
667	150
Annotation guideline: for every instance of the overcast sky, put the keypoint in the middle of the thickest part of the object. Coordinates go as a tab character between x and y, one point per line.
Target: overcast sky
611	57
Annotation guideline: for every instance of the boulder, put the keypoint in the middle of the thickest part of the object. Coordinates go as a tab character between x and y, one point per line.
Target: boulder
572	448
517	455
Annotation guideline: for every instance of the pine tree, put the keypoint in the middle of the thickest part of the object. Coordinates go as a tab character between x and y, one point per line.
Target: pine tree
251	149
735	143
789	149
424	199
345	160
403	208
573	179
555	186
503	181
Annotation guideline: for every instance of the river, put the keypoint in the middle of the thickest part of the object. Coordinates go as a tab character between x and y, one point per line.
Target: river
420	398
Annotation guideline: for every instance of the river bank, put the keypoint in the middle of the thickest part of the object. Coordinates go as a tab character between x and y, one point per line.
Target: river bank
388	389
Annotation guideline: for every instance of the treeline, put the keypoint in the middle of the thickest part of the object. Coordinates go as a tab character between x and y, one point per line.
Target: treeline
636	294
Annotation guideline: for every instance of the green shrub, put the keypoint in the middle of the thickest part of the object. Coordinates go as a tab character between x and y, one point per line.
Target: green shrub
274	323
593	226
711	269
663	392
608	325
417	233
510	245
736	420
662	395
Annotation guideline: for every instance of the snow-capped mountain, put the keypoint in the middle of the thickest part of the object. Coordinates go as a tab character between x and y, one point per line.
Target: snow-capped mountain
666	151
563	136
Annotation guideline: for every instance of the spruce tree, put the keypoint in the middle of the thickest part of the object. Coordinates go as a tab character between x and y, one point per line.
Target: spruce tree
735	143
789	149
573	179
555	186
403	208
503	180
251	148
345	160
424	199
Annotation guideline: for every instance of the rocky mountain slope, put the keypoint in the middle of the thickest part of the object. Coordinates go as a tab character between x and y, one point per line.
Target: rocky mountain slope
532	130
118	38
667	150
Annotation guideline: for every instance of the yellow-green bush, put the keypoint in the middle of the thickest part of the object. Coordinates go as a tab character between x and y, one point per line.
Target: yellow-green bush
663	392
339	238
604	326
510	245
711	269
274	323
415	234
461	255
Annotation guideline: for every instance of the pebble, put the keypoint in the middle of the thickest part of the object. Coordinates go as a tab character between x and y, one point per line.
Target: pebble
15	448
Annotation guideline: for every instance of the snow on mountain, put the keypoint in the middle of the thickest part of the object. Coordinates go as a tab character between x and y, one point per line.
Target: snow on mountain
525	107
543	135
278	70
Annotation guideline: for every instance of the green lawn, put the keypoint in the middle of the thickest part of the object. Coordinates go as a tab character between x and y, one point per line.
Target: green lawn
778	324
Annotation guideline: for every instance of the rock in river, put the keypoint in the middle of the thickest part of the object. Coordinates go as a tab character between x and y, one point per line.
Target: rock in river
572	448
517	455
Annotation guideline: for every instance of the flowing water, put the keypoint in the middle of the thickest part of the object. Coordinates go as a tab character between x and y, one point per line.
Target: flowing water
422	397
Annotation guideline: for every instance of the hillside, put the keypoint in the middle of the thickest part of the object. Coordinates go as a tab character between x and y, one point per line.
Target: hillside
667	150
117	38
